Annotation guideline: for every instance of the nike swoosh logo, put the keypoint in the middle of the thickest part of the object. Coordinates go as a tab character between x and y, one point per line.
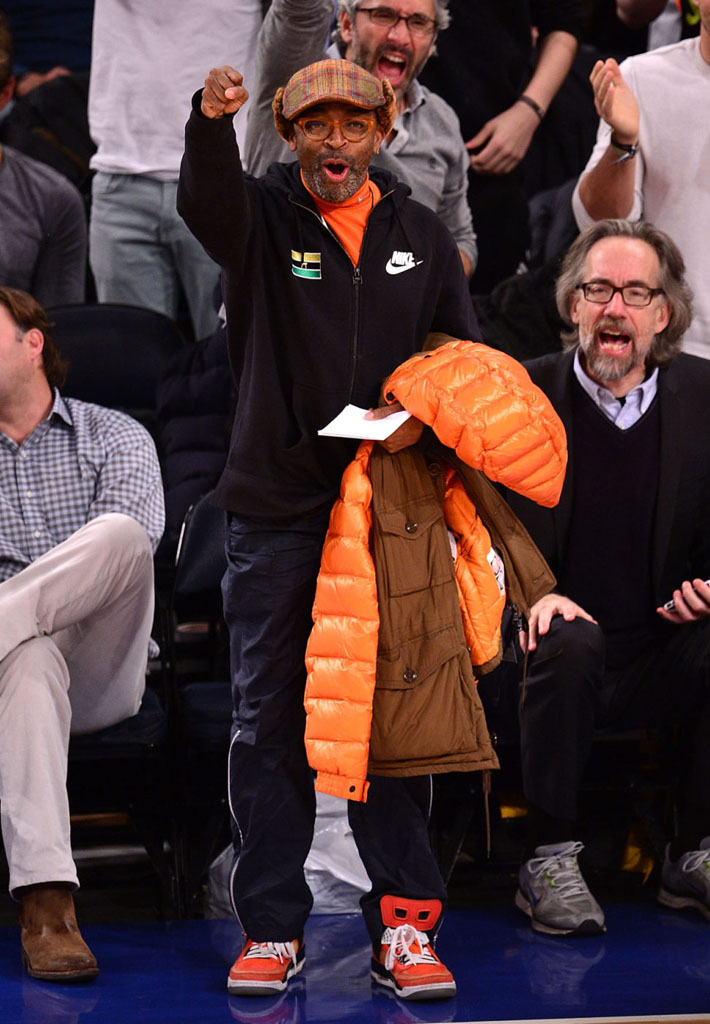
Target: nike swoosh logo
392	268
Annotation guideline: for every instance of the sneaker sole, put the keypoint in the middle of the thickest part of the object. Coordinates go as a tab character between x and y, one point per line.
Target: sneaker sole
586	927
675	902
263	988
417	993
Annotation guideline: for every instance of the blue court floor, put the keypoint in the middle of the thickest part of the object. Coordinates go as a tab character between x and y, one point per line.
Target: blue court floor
652	963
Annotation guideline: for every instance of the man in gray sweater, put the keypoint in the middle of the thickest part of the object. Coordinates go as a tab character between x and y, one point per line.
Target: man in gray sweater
43	237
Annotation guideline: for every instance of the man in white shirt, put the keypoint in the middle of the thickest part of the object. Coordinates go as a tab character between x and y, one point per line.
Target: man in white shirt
147	61
650	159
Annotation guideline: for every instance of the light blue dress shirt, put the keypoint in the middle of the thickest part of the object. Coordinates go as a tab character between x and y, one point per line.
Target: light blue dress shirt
622	414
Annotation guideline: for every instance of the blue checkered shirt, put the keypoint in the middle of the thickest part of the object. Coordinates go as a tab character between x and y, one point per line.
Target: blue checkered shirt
82	461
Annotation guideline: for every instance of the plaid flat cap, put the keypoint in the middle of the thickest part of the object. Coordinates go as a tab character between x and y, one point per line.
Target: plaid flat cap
332	81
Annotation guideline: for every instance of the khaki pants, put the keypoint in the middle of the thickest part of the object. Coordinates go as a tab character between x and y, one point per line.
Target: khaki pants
74	632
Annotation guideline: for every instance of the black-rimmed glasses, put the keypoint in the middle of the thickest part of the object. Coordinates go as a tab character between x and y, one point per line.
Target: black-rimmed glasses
387	17
631	294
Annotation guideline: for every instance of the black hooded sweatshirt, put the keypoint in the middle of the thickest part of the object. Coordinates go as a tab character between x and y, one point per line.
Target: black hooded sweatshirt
308	332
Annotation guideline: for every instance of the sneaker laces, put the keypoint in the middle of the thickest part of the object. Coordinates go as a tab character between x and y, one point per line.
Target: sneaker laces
269	950
562	870
696	859
400	942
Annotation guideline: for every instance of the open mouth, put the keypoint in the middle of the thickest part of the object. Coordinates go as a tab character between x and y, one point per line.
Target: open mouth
613	342
336	170
392	65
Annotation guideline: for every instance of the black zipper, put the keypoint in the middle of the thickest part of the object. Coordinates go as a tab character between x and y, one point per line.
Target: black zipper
357	280
518	618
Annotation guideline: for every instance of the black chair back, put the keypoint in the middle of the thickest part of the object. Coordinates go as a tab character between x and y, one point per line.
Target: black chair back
117	355
200	561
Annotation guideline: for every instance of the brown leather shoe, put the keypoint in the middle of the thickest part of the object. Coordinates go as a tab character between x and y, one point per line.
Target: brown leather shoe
52	946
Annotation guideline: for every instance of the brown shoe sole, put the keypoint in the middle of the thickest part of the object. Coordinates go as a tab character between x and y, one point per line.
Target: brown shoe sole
79	974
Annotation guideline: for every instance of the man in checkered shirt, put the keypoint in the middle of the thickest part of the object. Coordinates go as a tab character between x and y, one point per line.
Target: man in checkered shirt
81	513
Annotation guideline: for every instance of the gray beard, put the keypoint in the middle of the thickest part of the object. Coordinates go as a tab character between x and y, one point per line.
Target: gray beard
604	367
607	367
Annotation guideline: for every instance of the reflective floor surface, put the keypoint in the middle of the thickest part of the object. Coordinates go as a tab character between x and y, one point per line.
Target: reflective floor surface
652	962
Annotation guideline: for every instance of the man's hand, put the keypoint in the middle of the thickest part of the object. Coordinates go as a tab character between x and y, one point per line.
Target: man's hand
505	140
223	92
692	602
542	614
614	101
404	436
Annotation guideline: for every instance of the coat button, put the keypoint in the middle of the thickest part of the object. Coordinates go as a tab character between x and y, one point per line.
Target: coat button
410	676
434	468
411	527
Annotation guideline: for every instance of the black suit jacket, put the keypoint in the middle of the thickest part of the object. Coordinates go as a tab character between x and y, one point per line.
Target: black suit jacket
681	534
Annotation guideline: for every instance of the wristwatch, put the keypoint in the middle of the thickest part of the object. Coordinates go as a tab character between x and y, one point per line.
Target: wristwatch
626	150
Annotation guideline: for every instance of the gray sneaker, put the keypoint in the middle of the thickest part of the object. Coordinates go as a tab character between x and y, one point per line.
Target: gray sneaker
552	892
686	882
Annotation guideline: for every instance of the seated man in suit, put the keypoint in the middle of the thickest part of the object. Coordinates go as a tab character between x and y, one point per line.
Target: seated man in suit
631	533
81	513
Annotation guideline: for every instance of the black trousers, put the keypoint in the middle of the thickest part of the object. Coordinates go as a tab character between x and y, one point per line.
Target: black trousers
569	692
268	591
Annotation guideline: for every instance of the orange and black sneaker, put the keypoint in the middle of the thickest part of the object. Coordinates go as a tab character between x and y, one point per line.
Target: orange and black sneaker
406	961
265	968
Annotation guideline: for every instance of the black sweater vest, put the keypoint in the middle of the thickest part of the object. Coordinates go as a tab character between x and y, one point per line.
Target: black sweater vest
607	562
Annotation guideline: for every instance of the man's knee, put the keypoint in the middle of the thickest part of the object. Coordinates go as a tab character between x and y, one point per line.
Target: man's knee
120	543
579	643
568	664
121	532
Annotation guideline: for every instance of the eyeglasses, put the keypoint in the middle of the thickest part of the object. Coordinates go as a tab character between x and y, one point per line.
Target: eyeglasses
354	129
602	292
387	17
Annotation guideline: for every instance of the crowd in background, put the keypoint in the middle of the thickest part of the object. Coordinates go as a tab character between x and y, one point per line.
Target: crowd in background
530	157
92	140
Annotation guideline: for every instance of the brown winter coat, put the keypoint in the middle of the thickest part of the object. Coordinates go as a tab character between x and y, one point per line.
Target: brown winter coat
391	603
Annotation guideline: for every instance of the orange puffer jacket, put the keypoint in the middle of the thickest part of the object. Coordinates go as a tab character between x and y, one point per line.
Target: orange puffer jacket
481	404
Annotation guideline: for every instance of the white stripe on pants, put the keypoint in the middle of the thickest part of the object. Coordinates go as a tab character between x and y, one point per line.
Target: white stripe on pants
73	652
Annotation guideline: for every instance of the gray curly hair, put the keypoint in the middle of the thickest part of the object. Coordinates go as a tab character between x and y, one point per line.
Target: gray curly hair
667	343
349	7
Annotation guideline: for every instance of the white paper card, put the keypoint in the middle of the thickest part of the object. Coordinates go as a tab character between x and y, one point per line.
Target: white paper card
351	422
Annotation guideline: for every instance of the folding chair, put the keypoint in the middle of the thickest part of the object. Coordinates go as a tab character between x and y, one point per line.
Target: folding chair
201	694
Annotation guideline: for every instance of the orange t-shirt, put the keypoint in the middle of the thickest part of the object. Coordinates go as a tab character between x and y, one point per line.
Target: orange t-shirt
348	220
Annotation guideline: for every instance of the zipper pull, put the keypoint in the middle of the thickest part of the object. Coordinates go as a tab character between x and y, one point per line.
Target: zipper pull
357	279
